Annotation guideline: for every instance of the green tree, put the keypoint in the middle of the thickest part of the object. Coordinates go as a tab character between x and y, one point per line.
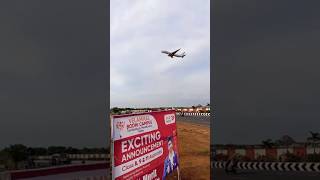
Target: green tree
286	141
267	143
313	139
71	150
56	150
115	110
17	152
37	151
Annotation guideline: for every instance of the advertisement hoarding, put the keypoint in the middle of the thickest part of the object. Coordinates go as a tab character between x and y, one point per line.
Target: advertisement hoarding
144	146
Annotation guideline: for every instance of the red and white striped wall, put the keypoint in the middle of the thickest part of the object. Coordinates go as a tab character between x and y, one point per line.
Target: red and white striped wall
275	153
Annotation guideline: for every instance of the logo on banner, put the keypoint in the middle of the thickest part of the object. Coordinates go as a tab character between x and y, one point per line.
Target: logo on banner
169	119
120	125
134	125
139	123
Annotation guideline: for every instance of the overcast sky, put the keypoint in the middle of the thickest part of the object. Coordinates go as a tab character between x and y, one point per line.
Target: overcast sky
140	75
266	70
53	73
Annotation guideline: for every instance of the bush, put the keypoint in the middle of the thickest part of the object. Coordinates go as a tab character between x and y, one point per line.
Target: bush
246	159
293	158
313	158
220	157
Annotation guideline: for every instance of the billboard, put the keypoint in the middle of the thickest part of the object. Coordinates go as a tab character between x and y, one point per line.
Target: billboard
144	146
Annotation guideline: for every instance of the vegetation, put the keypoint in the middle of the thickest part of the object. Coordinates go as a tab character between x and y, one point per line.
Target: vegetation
118	110
313	140
293	158
285	141
268	143
14	154
313	158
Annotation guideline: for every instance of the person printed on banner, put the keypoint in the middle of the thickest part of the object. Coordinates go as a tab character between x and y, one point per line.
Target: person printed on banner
171	162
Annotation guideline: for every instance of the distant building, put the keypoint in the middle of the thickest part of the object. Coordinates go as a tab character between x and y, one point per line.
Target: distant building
195	109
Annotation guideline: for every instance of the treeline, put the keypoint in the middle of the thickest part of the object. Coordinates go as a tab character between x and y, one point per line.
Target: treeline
19	151
19	156
118	110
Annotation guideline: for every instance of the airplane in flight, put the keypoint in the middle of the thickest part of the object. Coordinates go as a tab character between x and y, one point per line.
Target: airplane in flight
173	54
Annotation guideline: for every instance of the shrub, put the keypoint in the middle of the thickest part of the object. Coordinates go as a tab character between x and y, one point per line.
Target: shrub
313	158
293	158
221	157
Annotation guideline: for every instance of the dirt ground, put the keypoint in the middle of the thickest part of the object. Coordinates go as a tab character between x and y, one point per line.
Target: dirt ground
194	151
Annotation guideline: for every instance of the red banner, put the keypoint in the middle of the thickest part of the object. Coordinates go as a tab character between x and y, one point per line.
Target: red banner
144	146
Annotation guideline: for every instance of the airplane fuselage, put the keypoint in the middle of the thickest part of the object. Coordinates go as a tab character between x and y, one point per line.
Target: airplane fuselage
173	54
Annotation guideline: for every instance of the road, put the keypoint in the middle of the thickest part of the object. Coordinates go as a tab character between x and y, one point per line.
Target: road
219	174
205	120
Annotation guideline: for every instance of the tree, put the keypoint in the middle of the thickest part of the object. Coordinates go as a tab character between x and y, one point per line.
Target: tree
115	110
267	143
56	150
6	159
71	150
286	141
18	153
313	139
37	151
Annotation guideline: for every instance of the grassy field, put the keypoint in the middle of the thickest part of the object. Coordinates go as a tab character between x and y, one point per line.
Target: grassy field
194	150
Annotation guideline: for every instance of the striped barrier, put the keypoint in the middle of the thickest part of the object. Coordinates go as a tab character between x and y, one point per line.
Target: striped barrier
273	166
194	114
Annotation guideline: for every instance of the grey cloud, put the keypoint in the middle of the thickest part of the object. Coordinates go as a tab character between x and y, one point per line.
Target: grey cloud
265	70
53	73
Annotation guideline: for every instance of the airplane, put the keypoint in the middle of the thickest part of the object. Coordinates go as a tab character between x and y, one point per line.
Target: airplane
173	54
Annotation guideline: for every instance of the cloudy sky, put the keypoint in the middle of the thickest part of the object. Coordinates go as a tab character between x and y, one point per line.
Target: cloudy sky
53	73
140	75
266	70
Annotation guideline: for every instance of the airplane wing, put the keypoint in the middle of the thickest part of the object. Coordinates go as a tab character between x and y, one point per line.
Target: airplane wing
165	52
175	51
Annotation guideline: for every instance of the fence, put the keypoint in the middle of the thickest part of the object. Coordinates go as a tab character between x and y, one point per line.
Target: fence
193	114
